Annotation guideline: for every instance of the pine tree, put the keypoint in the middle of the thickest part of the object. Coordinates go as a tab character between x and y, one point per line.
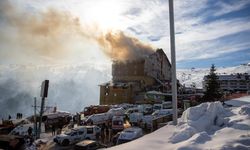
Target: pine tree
213	92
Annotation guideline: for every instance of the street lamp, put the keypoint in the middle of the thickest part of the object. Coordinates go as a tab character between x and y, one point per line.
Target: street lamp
173	61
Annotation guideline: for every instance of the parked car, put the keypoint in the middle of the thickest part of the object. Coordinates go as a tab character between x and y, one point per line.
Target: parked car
77	134
89	145
157	107
130	111
22	130
116	111
129	134
167	105
135	118
163	112
117	123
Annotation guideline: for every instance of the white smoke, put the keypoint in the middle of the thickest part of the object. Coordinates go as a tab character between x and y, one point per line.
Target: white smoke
71	87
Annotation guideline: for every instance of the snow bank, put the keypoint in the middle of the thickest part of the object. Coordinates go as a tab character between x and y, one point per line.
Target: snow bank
245	110
198	119
206	126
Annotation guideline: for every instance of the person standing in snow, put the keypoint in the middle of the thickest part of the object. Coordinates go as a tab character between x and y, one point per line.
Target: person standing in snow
53	130
30	131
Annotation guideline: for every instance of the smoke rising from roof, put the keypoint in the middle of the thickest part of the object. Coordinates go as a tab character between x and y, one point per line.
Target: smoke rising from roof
43	37
120	47
53	34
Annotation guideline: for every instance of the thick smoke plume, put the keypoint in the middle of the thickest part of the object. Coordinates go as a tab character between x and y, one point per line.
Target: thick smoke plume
51	35
48	33
120	47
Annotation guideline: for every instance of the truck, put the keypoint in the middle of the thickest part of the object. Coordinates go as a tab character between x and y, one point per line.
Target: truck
77	134
95	109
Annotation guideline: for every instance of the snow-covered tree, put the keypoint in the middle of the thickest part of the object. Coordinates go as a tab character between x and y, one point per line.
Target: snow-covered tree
212	91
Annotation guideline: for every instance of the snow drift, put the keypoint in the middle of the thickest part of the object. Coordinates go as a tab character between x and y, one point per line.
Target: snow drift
206	126
198	119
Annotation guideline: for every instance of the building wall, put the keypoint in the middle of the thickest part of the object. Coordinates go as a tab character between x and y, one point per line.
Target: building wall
129	68
139	74
115	95
237	82
158	66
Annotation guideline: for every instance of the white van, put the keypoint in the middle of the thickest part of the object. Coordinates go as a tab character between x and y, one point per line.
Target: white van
23	129
162	112
77	134
129	134
97	119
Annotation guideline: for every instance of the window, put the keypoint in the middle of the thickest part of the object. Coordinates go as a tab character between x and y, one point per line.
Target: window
90	131
73	134
81	132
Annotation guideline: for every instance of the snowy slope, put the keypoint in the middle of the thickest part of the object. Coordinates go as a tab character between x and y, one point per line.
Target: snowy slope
206	126
195	75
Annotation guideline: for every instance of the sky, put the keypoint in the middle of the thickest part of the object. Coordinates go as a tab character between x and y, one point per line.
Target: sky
72	43
207	31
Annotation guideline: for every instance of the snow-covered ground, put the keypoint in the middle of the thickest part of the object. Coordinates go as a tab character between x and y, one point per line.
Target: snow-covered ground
195	75
206	126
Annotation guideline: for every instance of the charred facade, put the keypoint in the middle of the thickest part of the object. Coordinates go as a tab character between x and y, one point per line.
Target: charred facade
132	78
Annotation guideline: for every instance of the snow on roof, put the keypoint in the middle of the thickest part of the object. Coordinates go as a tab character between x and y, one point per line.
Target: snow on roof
206	126
157	93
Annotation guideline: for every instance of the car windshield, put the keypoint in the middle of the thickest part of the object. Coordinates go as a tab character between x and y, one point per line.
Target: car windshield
68	132
157	107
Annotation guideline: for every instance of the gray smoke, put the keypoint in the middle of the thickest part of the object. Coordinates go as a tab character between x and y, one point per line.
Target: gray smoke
71	87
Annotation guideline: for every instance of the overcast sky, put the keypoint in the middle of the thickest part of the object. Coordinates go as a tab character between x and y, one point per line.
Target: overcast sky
207	31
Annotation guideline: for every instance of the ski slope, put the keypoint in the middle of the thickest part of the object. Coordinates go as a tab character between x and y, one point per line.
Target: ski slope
195	75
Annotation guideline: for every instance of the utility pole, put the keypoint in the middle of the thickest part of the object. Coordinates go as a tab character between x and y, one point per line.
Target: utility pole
35	123
173	61
44	93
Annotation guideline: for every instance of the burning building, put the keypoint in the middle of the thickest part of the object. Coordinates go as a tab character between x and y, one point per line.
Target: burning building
132	78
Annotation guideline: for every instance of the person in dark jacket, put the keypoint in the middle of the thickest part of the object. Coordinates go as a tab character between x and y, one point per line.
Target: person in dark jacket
30	131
